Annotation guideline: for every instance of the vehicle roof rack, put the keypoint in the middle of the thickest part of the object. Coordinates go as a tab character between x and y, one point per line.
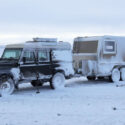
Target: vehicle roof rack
44	39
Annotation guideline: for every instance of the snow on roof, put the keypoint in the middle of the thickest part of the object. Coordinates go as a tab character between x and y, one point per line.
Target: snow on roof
47	45
96	37
43	43
21	45
45	39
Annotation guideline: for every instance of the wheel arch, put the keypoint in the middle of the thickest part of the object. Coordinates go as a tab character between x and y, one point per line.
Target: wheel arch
59	71
118	67
6	76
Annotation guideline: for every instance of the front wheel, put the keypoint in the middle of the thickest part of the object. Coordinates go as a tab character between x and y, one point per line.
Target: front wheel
58	81
7	87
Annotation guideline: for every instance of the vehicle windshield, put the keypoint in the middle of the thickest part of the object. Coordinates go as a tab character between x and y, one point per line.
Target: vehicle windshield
12	53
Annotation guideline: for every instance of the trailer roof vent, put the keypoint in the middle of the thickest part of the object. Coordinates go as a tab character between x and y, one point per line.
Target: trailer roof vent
45	39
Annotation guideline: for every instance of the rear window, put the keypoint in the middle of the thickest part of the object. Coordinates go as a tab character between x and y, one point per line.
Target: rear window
85	47
109	47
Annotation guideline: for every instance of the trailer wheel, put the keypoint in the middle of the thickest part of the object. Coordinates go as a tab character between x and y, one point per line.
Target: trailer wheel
115	77
122	74
91	77
58	81
7	87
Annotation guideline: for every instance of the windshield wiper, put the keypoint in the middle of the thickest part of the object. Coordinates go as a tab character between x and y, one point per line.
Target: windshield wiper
11	58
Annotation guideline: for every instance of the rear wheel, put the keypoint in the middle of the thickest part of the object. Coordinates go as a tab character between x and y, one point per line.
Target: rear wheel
91	77
58	81
122	74
115	77
7	87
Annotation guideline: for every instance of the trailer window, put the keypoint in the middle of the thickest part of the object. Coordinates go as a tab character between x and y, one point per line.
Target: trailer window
110	47
85	47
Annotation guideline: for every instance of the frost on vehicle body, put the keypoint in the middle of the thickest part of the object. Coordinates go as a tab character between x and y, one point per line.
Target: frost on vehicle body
38	61
98	56
64	58
16	74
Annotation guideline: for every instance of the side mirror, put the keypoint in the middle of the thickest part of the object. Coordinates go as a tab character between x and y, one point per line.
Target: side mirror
24	59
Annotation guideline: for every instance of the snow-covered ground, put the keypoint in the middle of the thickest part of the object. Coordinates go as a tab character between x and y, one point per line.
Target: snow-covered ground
81	103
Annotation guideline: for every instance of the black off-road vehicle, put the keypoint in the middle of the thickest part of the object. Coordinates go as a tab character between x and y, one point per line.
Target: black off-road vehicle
38	61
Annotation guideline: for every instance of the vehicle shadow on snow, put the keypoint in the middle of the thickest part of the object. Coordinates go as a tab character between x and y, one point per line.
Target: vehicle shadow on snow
74	82
27	88
85	82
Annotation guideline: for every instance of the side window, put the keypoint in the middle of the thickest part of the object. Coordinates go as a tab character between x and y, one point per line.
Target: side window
29	56
109	47
43	56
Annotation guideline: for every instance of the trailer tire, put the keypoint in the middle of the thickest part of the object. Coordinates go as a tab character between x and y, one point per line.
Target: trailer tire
115	77
7	87
122	74
57	81
91	77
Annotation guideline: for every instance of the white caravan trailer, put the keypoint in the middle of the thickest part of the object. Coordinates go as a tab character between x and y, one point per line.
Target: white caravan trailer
100	56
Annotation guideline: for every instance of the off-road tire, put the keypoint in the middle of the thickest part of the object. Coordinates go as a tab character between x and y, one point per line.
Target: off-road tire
7	87
122	70
57	81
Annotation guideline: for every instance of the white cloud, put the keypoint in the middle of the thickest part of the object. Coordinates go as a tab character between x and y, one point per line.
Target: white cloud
23	19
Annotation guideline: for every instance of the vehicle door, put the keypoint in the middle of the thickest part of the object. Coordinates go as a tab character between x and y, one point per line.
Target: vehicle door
28	65
44	64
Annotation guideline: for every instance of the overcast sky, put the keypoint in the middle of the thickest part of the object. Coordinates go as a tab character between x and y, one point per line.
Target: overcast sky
21	20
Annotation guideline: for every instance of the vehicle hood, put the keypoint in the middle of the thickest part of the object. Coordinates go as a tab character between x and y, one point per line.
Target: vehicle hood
5	67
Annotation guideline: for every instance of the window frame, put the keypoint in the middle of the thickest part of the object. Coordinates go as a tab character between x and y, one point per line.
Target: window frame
26	62
48	56
78	46
13	49
104	46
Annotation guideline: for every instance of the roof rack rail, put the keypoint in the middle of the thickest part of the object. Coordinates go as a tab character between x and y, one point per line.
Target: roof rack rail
44	39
